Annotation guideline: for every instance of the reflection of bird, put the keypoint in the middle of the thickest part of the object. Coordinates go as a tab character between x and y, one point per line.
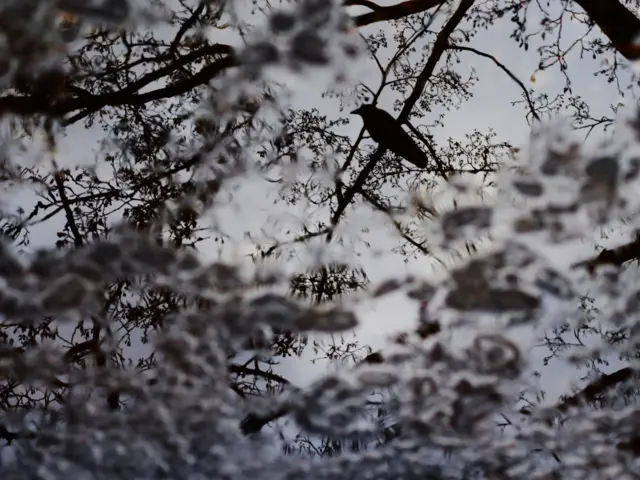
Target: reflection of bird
385	130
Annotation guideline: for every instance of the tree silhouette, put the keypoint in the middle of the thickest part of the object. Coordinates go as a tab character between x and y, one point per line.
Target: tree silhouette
184	112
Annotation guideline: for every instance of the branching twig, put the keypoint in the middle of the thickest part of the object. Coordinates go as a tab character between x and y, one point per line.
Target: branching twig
505	70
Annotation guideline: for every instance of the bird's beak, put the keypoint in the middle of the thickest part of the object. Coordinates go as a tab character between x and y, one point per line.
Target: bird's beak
356	111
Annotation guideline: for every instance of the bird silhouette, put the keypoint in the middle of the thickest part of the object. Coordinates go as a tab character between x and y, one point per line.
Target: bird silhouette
387	132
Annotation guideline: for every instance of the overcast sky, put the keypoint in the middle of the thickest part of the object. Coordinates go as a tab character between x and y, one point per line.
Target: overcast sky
249	209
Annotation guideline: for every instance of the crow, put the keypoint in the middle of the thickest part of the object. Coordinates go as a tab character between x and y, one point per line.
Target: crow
387	132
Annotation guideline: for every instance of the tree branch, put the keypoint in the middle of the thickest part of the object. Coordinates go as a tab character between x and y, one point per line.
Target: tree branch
362	3
175	89
596	388
184	28
618	23
505	70
439	46
397	225
616	256
393	12
243	371
77	237
88	104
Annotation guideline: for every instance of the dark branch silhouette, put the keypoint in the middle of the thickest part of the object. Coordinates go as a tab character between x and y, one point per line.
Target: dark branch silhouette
392	12
615	256
596	388
619	24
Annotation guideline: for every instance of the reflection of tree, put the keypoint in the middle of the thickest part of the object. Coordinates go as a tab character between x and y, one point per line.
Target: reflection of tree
163	172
